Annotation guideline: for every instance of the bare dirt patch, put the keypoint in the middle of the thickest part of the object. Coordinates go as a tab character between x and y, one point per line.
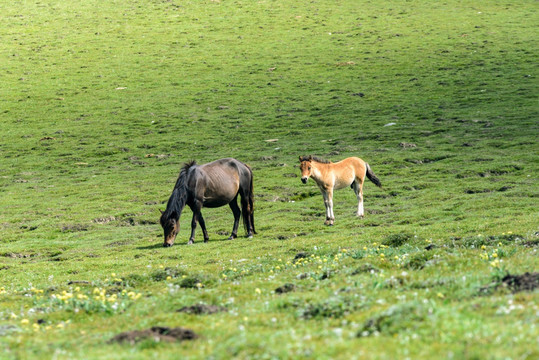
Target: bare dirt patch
155	333
525	282
202	309
74	228
288	287
18	255
514	283
104	220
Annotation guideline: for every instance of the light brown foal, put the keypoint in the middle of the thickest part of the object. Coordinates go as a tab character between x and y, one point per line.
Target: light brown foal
330	176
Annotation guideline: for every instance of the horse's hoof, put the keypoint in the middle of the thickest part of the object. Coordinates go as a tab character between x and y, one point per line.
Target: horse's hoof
249	236
191	242
231	238
206	240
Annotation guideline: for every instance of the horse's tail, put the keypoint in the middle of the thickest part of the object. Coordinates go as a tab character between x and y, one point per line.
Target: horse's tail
372	177
248	209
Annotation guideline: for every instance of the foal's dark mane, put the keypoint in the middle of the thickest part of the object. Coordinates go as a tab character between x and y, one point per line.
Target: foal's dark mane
315	158
177	200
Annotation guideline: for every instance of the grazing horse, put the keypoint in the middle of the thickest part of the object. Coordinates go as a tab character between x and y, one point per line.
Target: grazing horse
329	176
210	185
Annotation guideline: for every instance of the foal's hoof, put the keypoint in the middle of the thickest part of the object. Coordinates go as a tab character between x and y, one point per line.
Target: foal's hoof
190	242
231	237
206	240
250	236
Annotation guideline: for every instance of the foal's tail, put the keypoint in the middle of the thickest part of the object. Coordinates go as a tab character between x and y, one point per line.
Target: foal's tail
372	177
248	209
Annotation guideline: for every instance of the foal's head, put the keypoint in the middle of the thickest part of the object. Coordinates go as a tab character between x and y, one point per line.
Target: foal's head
171	227
305	165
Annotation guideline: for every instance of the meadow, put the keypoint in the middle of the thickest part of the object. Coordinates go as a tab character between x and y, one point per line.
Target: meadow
102	102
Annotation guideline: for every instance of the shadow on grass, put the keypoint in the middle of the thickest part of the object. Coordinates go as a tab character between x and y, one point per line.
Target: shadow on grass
160	244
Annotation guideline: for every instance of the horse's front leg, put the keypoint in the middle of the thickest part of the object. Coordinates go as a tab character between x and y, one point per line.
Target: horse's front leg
326	204
203	226
197	217
330	207
193	228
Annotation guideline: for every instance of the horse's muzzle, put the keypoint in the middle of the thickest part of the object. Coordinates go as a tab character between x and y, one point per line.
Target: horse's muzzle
167	245
304	180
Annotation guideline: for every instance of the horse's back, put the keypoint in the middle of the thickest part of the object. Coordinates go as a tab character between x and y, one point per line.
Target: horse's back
221	180
347	171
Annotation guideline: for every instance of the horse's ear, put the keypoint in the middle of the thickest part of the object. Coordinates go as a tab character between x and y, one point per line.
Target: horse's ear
300	158
161	211
309	158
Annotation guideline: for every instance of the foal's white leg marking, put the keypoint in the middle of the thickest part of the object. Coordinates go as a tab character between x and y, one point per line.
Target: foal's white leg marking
359	196
331	215
326	204
360	211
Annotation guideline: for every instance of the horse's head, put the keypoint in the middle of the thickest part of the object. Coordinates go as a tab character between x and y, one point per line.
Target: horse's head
171	227
305	165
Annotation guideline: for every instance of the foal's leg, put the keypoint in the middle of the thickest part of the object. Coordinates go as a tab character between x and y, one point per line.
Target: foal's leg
330	202
326	204
237	212
357	185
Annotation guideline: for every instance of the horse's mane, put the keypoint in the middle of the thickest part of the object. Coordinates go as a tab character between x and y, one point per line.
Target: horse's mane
177	200
315	158
180	183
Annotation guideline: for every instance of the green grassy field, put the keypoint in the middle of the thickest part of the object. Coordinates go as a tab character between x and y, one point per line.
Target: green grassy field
103	101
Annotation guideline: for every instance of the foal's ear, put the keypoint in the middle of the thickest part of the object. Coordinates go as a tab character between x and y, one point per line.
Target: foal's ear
300	158
161	211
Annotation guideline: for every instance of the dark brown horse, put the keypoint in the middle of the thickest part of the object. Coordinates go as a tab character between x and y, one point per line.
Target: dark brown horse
210	185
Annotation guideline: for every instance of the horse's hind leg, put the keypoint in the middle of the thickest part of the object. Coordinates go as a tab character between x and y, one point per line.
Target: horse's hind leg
246	211
237	212
357	186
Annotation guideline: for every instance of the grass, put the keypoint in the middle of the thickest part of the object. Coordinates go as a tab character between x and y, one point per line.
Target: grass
102	102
